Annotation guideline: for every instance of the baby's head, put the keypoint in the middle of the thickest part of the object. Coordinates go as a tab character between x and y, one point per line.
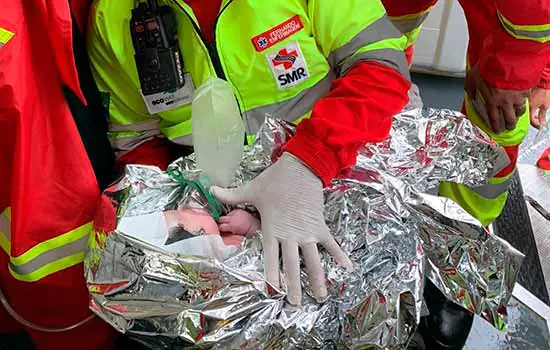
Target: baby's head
189	222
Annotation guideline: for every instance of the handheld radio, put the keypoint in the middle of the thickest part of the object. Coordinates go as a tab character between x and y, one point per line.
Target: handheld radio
157	53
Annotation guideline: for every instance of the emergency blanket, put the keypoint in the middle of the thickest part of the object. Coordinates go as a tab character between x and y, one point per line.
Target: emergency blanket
381	212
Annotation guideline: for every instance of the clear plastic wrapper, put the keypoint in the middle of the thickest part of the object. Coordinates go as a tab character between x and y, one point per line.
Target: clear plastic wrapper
380	212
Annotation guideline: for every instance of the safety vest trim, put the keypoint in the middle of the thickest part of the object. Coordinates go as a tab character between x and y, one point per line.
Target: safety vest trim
507	138
142	126
47	257
412	15
4	231
381	29
410	24
291	109
127	137
186	140
388	57
494	189
538	33
5	36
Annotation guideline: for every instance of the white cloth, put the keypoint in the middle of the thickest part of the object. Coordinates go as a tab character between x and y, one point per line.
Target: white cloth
289	197
152	229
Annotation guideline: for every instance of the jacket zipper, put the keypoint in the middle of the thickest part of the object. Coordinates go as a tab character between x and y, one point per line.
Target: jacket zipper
211	48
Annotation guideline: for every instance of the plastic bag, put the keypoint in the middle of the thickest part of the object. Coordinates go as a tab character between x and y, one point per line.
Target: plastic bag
218	131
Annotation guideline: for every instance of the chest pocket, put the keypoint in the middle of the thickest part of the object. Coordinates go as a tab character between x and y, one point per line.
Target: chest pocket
277	57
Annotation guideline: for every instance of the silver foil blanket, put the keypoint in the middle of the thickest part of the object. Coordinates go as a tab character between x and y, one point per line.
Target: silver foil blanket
380	212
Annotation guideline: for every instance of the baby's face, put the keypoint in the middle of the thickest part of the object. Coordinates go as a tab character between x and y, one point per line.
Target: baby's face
188	222
193	220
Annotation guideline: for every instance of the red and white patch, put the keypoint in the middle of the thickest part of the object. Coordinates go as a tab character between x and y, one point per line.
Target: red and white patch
288	66
277	34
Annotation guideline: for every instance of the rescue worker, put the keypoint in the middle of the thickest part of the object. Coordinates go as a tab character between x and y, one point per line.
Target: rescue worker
55	156
508	51
336	67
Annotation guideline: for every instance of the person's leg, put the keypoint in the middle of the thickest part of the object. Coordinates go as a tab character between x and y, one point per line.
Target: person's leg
448	325
486	202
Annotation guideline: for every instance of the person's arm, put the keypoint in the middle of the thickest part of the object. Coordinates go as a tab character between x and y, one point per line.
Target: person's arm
367	52
408	16
516	53
512	59
357	110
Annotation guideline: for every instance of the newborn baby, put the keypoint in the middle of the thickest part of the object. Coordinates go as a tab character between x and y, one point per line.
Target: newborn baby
192	222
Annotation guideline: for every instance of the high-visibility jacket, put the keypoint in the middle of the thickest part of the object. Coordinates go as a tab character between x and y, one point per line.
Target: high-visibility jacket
510	44
280	57
48	191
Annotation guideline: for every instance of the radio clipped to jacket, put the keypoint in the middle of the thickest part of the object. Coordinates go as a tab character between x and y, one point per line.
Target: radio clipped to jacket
157	53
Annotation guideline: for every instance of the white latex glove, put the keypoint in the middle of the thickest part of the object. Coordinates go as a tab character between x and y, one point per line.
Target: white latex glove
289	197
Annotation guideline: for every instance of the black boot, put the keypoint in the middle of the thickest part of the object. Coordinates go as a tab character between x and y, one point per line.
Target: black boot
448	325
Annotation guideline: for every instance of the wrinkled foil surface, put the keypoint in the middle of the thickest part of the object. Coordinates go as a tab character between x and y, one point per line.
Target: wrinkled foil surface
381	212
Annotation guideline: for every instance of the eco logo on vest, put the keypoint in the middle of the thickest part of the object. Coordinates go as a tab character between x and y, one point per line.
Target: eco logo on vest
288	66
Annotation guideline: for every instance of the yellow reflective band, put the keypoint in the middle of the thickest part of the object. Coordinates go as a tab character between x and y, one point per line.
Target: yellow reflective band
115	135
501	180
47	257
178	130
250	139
41	248
507	138
412	15
7	213
50	268
4	230
5	36
5	243
538	33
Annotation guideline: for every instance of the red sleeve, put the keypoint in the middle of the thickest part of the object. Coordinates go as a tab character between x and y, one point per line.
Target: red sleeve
357	110
512	63
545	78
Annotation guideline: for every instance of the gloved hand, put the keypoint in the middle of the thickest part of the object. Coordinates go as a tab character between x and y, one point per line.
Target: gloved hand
503	107
539	102
289	197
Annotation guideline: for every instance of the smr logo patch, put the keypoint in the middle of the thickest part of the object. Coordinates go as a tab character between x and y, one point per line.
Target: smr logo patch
288	66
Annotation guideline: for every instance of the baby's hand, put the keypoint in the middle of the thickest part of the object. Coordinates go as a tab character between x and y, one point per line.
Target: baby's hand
239	222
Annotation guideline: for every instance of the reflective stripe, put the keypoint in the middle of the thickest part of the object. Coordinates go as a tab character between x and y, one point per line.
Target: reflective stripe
407	25
128	143
5	231
5	36
127	137
47	257
291	109
493	190
381	29
389	57
538	33
412	15
186	140
143	126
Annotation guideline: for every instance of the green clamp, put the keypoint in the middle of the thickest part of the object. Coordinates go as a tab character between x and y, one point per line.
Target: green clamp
214	205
